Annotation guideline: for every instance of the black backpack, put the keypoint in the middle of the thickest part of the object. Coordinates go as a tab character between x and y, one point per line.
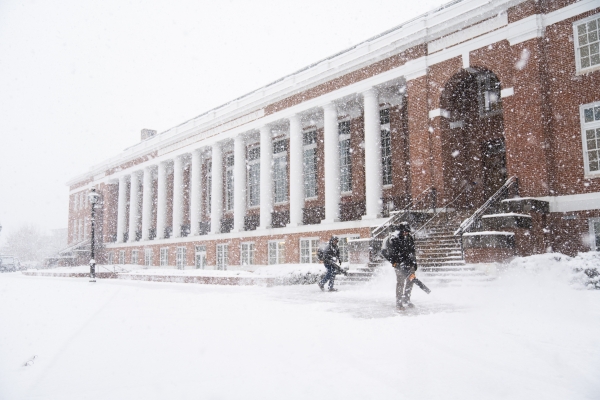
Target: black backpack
384	249
320	254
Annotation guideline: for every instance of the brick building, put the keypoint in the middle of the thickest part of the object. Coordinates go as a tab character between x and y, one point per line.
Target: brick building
474	101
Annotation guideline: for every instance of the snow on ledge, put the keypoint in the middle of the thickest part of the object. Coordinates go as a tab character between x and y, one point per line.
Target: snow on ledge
489	233
506	215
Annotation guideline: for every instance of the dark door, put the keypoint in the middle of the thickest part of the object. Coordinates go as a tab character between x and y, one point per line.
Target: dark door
494	166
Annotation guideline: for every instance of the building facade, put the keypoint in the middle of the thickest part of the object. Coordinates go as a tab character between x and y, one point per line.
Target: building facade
456	101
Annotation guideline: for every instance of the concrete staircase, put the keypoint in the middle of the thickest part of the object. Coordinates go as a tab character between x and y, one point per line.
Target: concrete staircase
439	254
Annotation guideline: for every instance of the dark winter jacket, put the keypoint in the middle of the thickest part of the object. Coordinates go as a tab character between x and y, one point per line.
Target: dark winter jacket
401	250
331	254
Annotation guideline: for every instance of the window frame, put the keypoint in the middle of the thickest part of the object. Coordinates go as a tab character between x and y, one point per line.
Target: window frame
386	147
121	257
110	258
594	236
253	186
345	157
222	256
208	188
229	185
147	257
164	257
312	249
280	172
135	256
343	245
279	252
579	70
180	257
247	253
311	189
585	126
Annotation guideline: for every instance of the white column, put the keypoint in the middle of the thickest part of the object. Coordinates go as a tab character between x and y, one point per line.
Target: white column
266	177
134	205
161	206
239	183
296	172
216	206
122	208
147	203
373	168
177	195
195	192
332	164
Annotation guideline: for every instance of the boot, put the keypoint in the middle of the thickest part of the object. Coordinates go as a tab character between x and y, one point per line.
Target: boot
332	289
321	286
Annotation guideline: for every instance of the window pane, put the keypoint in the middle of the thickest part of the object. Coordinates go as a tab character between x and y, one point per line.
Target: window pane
309	138
593	37
384	116
591	144
588	115
345	166
583	40
310	174
597	235
581	29
592	26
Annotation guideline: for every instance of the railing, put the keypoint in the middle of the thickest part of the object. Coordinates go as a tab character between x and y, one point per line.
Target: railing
426	200
500	193
443	209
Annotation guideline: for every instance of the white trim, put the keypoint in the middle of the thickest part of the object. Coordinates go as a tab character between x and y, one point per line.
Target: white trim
468	33
445	21
578	69
574	202
584	126
507	92
439	112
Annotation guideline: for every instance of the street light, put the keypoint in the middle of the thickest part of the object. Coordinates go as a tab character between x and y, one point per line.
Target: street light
93	197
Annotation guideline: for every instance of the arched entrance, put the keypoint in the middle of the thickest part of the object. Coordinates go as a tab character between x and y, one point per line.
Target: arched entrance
473	136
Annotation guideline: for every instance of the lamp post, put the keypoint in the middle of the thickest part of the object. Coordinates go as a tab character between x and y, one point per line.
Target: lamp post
93	197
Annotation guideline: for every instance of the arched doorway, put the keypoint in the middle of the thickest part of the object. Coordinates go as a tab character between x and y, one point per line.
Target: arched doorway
473	136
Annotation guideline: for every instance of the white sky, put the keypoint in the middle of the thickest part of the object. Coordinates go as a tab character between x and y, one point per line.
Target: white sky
79	79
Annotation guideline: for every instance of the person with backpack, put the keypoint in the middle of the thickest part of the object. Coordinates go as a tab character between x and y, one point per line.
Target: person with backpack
399	250
330	256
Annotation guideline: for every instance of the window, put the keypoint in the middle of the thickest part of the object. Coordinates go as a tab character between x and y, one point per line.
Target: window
135	254
111	258
386	146
590	130
122	257
200	260
248	251
254	176
488	94
229	183
81	229
308	251
208	188
310	164
180	258
595	234
343	246
345	161
276	252
164	256
587	51
222	256
280	178
148	257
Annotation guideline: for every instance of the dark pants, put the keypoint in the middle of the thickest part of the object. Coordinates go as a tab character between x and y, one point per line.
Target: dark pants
329	276
403	284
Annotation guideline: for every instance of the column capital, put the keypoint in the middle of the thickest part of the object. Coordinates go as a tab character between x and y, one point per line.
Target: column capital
331	106
371	92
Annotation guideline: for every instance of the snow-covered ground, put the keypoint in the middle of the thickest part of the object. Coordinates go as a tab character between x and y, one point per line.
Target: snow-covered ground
530	334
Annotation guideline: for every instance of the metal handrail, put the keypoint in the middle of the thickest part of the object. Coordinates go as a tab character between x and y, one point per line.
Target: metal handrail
381	228
466	187
466	224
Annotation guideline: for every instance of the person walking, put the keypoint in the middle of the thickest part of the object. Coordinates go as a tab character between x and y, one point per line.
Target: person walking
330	257
399	250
